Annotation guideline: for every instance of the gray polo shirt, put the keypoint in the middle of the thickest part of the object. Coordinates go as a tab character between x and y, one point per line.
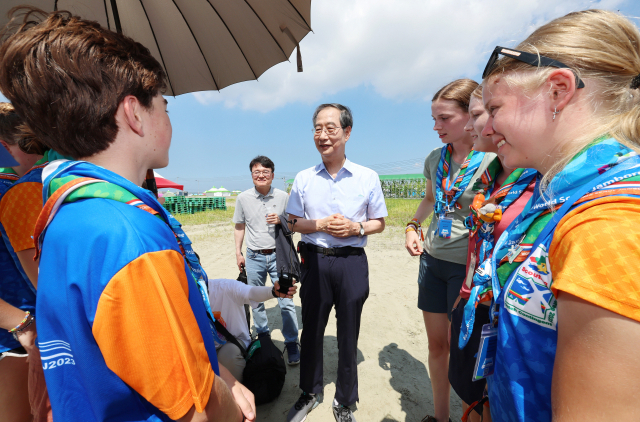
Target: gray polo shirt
252	208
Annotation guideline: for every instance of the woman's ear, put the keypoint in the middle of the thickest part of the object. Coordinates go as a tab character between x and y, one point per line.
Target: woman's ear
562	88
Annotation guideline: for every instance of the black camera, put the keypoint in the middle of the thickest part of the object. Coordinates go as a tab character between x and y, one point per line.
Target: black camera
286	281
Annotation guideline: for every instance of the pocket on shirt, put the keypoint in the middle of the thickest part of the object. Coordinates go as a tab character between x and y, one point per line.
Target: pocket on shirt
357	205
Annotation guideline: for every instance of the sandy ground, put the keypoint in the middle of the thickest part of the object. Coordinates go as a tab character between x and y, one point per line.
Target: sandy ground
392	351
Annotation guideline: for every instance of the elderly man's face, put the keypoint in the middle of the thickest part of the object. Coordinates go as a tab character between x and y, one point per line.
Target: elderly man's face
330	145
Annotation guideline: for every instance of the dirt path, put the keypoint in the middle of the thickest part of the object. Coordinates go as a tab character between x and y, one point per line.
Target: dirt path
392	351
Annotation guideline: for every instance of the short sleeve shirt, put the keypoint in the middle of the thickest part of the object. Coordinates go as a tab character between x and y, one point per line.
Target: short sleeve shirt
252	208
355	193
19	210
227	297
453	249
120	317
594	255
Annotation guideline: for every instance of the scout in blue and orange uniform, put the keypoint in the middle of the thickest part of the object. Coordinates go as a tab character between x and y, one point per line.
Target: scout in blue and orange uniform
133	294
124	327
20	204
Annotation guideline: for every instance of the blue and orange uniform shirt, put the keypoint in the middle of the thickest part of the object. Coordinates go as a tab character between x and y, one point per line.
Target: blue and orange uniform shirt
20	207
20	204
122	327
15	289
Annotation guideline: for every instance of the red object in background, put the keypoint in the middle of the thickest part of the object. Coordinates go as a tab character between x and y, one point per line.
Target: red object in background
162	183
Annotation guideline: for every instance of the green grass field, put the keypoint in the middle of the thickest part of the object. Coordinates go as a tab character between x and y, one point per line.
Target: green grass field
400	212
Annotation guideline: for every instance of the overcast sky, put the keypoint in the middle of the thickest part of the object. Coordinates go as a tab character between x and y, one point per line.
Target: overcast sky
384	59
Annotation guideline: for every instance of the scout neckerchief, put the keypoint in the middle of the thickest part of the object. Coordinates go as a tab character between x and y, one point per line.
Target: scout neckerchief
7	176
7	173
448	191
487	208
486	180
515	244
85	180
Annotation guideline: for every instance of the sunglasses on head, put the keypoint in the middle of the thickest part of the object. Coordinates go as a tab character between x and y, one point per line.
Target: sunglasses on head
528	58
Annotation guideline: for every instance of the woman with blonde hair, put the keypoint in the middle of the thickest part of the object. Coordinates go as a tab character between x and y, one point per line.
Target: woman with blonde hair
565	274
504	193
451	172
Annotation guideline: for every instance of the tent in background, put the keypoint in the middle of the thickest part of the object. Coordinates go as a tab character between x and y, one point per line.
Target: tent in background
161	182
218	192
224	192
212	191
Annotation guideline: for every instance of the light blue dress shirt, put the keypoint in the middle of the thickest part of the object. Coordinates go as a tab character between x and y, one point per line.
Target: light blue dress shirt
354	193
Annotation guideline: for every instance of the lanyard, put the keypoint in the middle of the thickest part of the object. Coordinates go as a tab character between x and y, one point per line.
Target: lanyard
605	179
453	189
504	197
143	197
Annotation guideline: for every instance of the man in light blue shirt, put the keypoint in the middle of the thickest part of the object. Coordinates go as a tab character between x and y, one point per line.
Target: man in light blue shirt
335	205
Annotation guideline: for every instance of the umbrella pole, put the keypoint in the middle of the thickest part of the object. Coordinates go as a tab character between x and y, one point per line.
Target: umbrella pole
287	31
116	16
151	182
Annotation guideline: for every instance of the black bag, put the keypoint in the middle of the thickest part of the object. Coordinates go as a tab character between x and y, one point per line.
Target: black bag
265	371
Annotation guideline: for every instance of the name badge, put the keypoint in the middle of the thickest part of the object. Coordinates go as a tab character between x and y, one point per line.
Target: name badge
444	227
485	362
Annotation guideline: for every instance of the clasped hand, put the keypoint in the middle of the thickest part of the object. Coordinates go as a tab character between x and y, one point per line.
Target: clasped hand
338	225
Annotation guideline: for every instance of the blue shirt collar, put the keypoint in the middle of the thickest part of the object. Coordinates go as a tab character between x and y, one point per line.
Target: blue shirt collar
347	166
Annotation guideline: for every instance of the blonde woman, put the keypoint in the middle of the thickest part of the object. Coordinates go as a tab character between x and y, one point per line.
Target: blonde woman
451	172
505	192
566	285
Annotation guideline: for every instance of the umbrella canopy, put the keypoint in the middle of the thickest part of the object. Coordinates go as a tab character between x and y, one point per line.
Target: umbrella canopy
201	44
162	183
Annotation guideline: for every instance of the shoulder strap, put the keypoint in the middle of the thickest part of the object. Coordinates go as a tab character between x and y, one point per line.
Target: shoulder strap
53	204
230	337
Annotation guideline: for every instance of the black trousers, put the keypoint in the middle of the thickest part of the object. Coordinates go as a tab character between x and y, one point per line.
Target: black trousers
342	281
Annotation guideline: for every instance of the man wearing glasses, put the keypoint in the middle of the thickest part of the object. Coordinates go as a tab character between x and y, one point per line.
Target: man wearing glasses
335	205
258	210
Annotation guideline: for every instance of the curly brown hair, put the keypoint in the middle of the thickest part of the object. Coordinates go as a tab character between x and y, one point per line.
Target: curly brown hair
66	77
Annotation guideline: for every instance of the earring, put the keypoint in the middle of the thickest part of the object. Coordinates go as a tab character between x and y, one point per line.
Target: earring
555	111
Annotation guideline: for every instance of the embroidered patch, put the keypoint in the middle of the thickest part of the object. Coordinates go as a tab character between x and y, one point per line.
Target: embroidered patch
529	295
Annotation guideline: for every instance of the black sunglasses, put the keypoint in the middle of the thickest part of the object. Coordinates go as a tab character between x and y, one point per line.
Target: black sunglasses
528	58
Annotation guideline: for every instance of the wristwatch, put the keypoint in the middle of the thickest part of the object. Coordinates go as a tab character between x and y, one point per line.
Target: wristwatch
361	233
